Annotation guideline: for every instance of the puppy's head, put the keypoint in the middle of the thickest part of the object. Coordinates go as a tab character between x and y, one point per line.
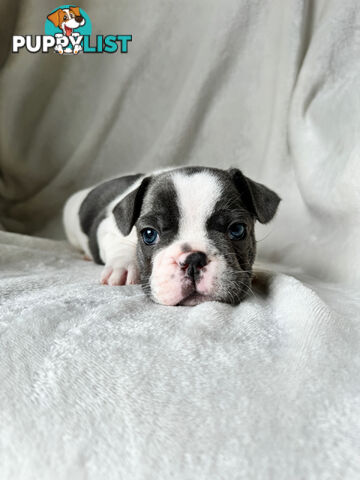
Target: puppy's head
67	19
195	230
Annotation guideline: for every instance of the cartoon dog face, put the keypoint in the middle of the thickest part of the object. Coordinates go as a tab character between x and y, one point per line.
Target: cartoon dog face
67	19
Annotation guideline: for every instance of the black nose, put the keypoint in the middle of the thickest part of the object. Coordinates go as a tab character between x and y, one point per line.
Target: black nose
194	262
79	19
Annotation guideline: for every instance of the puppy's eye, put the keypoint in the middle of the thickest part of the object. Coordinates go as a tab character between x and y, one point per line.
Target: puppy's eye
237	231
65	18
72	15
150	236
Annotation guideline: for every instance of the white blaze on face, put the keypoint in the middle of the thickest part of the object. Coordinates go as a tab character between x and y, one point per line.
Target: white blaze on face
197	195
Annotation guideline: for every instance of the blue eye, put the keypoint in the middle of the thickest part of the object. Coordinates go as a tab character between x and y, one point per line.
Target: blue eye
150	236
237	231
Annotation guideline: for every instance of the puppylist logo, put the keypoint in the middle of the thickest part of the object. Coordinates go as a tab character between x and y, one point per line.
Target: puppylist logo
67	32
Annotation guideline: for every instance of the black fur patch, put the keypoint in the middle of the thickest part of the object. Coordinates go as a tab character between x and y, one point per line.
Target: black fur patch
160	211
238	254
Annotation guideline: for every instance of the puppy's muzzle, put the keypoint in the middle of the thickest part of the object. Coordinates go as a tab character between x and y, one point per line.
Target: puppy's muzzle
192	264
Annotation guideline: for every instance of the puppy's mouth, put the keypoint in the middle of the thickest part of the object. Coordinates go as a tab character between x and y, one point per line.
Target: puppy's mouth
68	31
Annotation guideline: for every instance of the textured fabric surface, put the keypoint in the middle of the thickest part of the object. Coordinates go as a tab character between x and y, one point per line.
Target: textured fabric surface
100	383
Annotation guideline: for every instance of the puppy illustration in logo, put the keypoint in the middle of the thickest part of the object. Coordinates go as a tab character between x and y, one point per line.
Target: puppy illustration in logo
67	20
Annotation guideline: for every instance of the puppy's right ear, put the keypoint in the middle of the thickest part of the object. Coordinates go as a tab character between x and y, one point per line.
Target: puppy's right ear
127	211
55	17
261	202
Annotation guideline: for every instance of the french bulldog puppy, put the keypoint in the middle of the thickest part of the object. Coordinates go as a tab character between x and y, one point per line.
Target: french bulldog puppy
185	234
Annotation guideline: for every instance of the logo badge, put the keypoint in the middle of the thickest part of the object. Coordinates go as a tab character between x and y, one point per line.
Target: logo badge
68	32
68	24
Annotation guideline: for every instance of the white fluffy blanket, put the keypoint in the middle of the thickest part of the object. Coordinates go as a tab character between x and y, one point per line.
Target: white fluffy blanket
99	383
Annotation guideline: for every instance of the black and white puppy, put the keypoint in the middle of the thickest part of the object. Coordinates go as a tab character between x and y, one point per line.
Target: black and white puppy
186	234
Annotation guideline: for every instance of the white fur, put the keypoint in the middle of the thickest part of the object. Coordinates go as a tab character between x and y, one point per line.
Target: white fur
118	253
71	221
197	195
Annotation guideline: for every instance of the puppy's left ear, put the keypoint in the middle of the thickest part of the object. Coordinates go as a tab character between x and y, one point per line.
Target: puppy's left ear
127	211
261	202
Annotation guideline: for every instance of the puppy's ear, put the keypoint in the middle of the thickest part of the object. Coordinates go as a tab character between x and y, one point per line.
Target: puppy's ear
258	199
55	17
76	11
127	211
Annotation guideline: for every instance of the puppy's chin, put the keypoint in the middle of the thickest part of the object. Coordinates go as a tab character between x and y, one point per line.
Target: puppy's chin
194	299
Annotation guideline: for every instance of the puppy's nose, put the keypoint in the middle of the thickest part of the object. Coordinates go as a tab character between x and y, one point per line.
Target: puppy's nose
193	263
79	19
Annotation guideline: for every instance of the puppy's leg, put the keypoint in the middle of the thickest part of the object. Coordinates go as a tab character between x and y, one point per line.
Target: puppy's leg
118	253
58	47
77	46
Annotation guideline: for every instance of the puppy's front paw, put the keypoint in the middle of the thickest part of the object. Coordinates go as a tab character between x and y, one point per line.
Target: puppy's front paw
116	273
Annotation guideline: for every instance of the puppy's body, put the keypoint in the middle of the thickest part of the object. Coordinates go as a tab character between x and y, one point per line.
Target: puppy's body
91	227
187	234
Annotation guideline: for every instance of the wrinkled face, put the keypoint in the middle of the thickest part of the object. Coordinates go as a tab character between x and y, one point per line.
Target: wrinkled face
195	239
